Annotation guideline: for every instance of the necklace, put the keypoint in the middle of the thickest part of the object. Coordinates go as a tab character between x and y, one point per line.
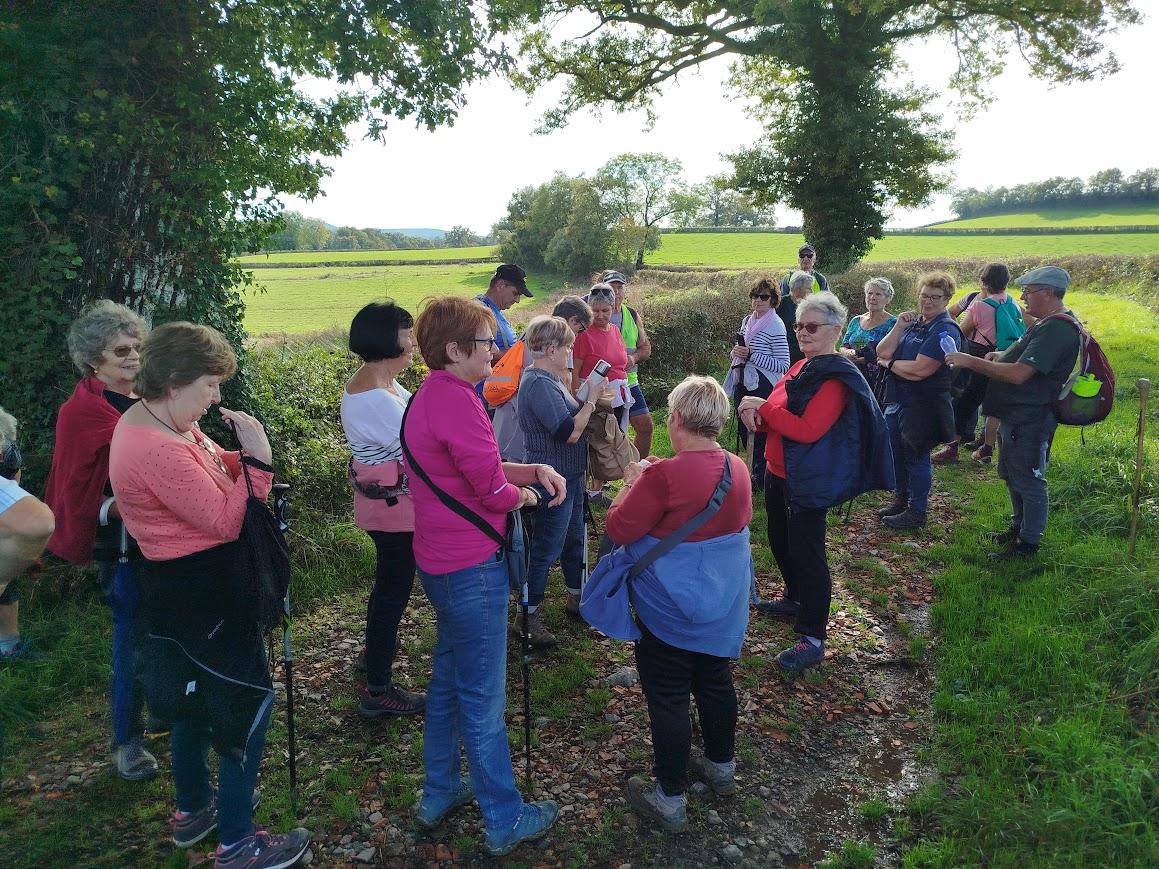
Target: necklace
149	411
193	439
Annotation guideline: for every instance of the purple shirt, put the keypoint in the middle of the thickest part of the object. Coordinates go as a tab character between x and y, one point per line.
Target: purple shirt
450	436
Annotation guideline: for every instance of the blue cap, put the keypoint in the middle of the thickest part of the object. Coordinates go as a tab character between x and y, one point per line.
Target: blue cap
1045	276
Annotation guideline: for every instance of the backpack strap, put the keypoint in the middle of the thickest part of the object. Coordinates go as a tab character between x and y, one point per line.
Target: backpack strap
450	503
715	502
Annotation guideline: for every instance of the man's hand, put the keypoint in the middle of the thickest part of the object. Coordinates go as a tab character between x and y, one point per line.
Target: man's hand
961	360
553	482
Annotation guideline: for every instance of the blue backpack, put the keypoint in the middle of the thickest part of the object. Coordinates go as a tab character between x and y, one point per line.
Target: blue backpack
1008	325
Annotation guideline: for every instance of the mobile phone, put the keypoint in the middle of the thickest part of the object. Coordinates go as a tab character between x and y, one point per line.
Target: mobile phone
740	339
602	368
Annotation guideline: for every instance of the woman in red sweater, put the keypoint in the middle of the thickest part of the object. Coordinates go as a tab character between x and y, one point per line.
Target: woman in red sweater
797	536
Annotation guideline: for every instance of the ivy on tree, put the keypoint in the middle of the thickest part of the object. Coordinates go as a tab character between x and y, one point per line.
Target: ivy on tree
841	144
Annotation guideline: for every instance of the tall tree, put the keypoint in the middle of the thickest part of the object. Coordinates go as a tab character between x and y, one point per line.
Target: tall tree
144	145
645	189
842	144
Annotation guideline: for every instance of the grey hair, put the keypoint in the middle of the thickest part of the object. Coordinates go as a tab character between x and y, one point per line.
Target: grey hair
800	279
827	305
573	306
702	404
543	331
90	332
7	429
883	284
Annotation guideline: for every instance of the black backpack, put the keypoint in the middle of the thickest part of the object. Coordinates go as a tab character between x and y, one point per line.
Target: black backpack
261	577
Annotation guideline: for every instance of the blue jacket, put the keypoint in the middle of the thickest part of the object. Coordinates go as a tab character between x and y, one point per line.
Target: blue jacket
696	597
853	457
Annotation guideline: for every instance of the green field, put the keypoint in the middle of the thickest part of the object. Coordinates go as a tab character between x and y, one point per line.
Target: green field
312	299
330	256
1112	215
756	249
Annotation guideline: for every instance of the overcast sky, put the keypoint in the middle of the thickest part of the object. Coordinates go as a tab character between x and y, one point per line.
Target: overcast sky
465	174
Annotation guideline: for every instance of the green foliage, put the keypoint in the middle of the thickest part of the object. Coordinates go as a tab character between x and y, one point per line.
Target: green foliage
298	232
1062	218
287	259
1105	188
714	203
641	190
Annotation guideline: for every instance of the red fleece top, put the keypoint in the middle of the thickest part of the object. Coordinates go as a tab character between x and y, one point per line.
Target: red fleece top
80	468
821	412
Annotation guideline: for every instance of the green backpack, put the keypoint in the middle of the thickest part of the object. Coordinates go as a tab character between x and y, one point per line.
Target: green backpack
1008	325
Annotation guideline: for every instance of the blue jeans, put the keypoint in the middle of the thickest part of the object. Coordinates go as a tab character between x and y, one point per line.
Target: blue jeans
190	742
913	470
559	534
1023	451
467	695
120	589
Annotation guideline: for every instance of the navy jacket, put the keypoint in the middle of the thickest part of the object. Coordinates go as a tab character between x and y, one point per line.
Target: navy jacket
853	457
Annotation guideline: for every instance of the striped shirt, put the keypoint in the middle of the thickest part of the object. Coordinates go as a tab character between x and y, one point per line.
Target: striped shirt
371	421
769	348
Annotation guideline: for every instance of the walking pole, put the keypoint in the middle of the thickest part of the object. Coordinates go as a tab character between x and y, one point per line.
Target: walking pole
587	521
281	494
1144	391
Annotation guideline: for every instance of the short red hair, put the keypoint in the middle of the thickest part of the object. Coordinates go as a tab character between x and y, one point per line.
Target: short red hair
450	319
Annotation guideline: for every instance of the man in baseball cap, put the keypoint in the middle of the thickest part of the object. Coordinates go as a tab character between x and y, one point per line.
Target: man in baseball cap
508	284
807	260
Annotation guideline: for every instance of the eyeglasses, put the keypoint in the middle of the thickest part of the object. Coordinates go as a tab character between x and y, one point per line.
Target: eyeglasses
580	327
926	297
490	342
811	328
764	297
123	350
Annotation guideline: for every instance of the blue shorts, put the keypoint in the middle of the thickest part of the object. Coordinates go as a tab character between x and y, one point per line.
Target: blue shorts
639	405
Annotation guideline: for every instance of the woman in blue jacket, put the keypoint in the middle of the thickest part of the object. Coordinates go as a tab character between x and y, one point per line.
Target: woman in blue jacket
691	604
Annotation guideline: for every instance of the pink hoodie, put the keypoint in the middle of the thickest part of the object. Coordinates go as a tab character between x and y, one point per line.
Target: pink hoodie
450	436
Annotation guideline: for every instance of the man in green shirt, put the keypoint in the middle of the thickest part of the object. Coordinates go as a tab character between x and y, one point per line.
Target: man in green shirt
1024	380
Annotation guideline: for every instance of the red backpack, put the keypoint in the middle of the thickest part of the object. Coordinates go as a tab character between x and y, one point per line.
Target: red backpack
1089	393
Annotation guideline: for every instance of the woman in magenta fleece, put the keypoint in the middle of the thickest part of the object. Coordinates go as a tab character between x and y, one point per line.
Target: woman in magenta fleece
448	436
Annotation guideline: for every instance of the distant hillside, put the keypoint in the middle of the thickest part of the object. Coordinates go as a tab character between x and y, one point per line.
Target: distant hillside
1106	215
422	232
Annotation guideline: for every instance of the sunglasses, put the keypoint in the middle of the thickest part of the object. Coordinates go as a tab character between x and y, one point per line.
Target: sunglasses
806	255
764	297
811	328
123	350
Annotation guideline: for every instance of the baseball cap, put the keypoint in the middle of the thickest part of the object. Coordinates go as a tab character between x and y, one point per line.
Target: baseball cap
806	248
1045	276
610	276
515	276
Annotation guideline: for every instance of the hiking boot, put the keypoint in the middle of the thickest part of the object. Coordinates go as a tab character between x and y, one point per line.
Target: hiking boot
1003	538
537	633
187	831
393	702
947	455
133	762
647	800
801	656
264	850
781	608
975	443
906	519
534	822
983	454
22	651
1015	550
892	508
571	605
430	812
720	777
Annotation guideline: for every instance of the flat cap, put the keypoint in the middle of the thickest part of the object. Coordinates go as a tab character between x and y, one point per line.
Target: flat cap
1045	276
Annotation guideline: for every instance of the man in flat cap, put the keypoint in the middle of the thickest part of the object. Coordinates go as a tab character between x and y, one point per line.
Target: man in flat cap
1024	380
807	262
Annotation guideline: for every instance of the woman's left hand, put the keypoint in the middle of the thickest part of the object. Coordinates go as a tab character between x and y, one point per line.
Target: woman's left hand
555	484
750	403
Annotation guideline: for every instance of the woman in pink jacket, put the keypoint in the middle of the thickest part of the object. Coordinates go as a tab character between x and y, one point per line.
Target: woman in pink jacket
447	440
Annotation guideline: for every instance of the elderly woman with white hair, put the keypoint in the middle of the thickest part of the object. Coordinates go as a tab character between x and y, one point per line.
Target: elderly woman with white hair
691	603
865	332
827	442
553	424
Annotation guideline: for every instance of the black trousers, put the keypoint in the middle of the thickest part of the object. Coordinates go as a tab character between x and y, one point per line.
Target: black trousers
743	434
798	543
668	675
393	579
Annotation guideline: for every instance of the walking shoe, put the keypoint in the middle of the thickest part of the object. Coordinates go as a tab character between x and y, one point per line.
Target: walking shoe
646	801
721	777
537	632
430	812
801	656
980	440
947	455
133	762
264	850
22	651
983	454
599	499
1015	550
533	823
190	829
907	519
1003	538
892	508
393	702
571	605
781	608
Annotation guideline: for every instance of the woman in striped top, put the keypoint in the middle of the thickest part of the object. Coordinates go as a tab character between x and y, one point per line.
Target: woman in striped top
372	408
759	359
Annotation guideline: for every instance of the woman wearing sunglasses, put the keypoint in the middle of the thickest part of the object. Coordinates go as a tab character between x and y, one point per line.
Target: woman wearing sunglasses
760	358
827	443
104	343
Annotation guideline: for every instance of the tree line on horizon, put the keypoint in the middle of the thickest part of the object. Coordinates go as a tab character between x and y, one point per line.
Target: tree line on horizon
1108	187
299	232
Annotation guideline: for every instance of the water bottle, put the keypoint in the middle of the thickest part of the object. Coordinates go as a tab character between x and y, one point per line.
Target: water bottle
947	344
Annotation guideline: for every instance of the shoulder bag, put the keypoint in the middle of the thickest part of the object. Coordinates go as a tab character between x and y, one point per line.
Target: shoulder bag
262	576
